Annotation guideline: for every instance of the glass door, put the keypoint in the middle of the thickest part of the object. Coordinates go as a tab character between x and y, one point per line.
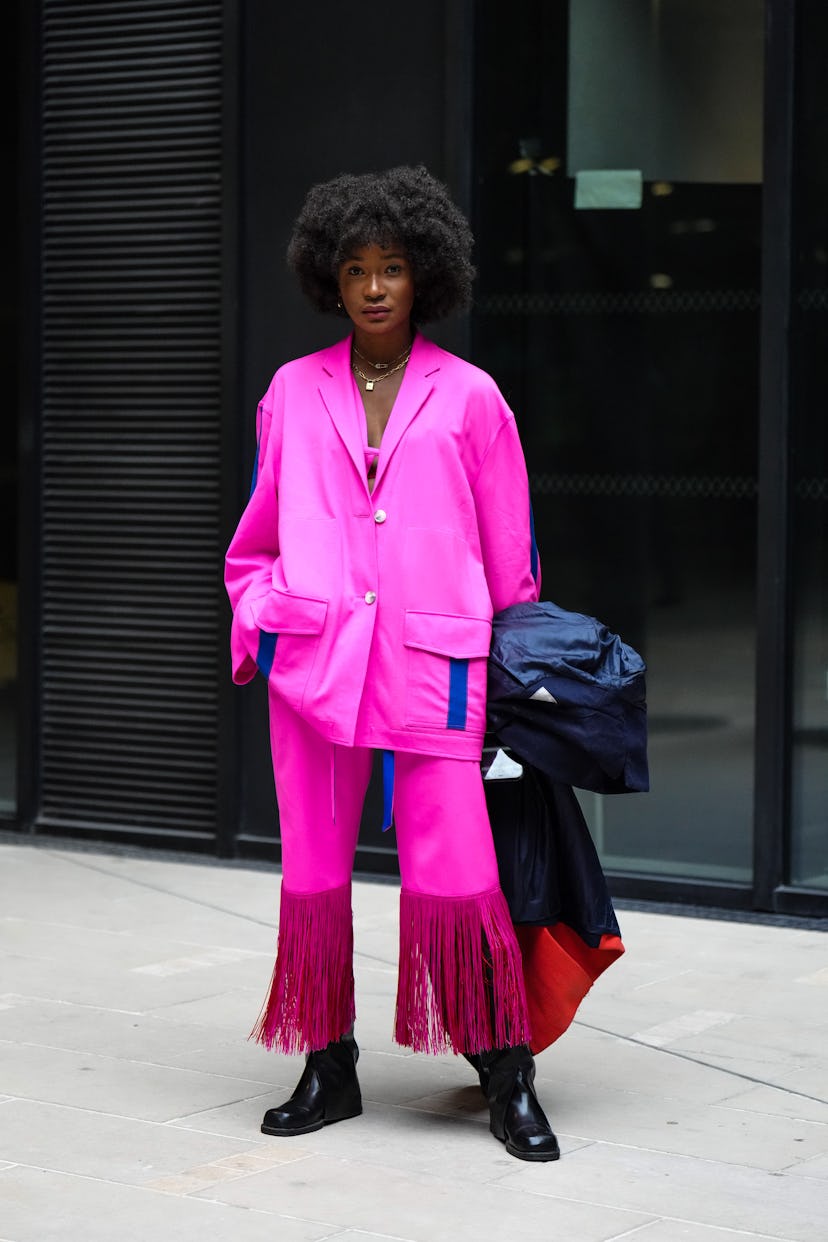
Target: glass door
808	856
617	198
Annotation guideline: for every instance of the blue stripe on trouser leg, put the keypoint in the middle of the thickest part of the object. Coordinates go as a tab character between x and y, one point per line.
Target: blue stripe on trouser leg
458	693
387	789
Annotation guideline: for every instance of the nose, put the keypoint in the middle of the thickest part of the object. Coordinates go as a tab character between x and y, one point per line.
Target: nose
374	289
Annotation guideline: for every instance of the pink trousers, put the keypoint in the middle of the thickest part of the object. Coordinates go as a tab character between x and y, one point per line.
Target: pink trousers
460	981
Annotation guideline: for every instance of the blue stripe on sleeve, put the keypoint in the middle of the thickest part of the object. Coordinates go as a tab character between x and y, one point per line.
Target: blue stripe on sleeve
534	557
266	651
458	693
255	477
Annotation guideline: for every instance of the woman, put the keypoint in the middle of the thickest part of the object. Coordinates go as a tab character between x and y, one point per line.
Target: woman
388	520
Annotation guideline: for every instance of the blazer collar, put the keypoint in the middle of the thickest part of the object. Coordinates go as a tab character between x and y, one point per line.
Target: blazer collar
344	406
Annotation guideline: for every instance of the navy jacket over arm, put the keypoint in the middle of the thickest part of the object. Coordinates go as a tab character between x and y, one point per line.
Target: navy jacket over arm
566	695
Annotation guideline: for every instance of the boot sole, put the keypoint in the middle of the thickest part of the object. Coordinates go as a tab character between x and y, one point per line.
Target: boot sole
293	1131
534	1157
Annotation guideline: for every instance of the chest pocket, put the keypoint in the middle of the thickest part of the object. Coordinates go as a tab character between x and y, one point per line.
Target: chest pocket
446	658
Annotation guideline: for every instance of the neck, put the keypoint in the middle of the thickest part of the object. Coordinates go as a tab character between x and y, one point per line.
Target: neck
383	348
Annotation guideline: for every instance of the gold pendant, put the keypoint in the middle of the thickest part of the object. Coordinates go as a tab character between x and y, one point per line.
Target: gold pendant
369	385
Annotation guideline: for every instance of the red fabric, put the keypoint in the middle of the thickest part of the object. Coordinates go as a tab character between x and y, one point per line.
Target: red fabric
559	968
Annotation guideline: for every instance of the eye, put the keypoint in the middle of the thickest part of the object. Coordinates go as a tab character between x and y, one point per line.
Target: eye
394	269
354	270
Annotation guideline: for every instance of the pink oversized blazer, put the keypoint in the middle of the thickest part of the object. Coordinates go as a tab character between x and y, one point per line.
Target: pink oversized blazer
370	612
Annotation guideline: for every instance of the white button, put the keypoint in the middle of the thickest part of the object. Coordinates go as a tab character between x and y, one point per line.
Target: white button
380	515
370	597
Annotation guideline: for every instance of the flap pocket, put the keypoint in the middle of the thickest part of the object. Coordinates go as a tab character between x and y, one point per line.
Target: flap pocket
280	613
448	635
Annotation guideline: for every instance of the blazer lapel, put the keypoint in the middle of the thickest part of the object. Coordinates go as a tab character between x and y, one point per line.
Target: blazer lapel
417	384
339	398
336	388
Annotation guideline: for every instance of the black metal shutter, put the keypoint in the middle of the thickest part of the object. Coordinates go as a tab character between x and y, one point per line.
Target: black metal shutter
131	280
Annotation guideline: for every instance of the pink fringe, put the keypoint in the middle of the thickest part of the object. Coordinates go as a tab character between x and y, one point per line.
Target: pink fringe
447	947
311	1000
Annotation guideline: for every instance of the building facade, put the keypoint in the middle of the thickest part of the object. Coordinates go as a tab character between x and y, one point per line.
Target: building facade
650	202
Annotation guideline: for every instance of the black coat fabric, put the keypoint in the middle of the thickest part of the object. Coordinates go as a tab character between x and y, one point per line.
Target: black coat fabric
549	867
588	728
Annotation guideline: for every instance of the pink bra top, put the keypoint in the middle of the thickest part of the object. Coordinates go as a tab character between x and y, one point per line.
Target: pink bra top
371	458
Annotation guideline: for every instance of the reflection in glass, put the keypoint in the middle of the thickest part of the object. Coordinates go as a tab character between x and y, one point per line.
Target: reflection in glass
673	89
809	803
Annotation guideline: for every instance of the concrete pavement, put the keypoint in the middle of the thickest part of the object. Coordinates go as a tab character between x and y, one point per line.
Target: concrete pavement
689	1097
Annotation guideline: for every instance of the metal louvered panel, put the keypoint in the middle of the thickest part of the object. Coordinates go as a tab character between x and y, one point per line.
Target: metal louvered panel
131	280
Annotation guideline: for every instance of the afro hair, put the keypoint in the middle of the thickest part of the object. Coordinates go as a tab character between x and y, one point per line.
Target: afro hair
403	205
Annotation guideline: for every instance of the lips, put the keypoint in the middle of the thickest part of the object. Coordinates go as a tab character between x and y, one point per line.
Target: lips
376	312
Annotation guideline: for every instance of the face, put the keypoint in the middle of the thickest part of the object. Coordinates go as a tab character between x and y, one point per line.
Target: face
377	289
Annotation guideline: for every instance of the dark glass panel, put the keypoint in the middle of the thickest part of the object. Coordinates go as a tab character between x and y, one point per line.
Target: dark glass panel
627	343
809	809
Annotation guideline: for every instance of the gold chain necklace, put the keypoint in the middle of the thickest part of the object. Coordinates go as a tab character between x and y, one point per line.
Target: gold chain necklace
370	381
381	366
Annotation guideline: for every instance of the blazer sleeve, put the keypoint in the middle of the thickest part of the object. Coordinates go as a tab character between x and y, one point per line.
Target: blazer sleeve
504	518
255	546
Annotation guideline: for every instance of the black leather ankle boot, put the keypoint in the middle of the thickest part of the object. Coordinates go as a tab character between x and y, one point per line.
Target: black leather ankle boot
507	1077
475	1061
328	1091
